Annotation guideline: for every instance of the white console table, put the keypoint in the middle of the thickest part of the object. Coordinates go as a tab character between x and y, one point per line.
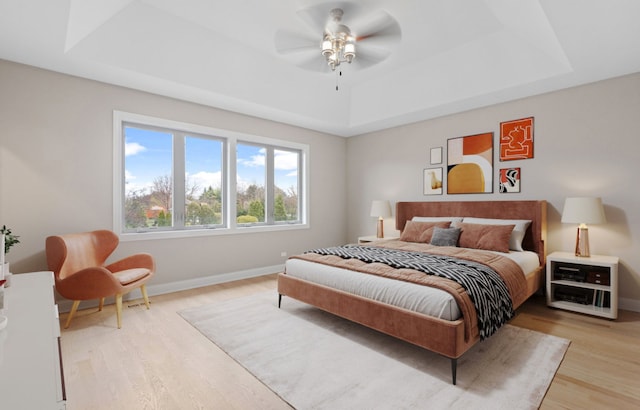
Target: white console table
31	374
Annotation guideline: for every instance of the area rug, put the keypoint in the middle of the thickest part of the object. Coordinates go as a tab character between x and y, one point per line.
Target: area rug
315	360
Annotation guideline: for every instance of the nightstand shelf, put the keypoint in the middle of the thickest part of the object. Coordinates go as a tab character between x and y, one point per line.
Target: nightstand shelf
584	285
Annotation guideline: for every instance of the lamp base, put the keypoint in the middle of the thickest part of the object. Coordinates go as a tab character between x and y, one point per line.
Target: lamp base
380	233
582	242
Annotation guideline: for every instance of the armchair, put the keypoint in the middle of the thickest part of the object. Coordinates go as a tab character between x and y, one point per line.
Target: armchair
77	261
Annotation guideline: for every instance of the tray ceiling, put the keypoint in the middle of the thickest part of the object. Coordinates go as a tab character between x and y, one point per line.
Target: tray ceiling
453	55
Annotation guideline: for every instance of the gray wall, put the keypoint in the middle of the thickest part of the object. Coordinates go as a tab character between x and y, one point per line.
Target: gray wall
586	144
56	173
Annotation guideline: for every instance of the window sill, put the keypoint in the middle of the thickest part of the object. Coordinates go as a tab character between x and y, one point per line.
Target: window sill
194	233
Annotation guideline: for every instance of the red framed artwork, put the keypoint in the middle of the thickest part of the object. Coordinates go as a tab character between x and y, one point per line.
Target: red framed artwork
509	180
516	139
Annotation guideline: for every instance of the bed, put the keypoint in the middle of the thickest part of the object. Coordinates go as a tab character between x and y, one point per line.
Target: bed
333	280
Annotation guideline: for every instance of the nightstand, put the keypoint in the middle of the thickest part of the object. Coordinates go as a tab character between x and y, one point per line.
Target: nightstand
583	284
373	238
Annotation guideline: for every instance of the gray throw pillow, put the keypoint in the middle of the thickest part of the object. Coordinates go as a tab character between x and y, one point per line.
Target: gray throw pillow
445	236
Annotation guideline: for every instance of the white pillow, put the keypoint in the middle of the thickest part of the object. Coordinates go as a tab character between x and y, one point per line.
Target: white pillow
517	235
451	219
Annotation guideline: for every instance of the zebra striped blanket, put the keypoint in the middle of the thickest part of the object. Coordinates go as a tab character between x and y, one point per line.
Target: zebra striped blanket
486	288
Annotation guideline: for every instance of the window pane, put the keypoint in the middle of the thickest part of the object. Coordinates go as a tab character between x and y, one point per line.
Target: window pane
203	181
286	164
250	183
148	178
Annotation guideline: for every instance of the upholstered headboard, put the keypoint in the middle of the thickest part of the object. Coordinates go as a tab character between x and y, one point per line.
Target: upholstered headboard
536	211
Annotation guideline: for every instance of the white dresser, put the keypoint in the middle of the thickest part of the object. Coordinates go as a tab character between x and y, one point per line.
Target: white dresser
31	374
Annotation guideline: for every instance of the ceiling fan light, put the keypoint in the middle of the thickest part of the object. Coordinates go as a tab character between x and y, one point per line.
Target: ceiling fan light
349	52
327	49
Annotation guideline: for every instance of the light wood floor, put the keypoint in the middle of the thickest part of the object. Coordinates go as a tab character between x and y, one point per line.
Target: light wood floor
158	361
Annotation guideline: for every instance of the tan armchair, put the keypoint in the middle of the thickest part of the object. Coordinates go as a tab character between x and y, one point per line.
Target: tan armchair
77	261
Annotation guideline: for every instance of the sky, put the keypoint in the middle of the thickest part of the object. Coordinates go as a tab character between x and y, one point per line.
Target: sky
148	154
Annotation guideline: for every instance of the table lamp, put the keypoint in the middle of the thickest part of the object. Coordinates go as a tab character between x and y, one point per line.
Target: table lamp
381	210
583	211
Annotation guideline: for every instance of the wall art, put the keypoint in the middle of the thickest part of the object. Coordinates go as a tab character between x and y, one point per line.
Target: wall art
470	164
516	139
432	181
509	180
436	155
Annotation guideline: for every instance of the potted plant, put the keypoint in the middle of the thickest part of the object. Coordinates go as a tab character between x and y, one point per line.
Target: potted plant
9	240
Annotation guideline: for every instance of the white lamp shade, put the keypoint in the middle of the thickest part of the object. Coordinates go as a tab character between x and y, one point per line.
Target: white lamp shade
349	48
380	209
583	210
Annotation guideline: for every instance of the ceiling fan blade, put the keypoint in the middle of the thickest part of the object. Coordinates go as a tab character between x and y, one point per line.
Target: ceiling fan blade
308	58
291	42
315	64
380	25
372	53
367	57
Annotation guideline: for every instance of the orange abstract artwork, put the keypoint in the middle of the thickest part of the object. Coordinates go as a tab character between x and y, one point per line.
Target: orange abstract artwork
470	164
516	139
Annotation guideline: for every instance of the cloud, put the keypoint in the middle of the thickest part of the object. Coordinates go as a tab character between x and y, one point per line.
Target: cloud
205	180
286	160
133	148
253	161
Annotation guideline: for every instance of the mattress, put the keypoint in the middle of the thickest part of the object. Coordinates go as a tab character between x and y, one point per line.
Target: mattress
411	296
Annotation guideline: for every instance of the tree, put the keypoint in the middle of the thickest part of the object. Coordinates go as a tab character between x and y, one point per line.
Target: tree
135	206
256	208
200	213
244	198
213	197
279	211
291	202
164	219
162	191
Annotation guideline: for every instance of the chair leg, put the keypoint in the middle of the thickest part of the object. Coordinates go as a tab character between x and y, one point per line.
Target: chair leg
74	308
143	290
119	309
101	305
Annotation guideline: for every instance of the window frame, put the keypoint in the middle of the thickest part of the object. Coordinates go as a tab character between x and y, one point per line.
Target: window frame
230	140
270	183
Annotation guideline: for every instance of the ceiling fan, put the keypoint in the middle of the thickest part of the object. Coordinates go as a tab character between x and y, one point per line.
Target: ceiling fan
329	42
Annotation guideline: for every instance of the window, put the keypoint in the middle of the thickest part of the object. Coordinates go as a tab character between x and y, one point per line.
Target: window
179	179
267	184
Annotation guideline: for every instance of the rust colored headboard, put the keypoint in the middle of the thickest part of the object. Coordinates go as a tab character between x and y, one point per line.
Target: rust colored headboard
536	211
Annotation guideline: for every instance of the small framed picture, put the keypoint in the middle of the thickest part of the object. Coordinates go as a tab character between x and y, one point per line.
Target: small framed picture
509	180
516	139
436	155
432	181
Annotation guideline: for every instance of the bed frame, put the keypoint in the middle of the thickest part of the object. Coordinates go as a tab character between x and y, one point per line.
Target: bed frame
444	337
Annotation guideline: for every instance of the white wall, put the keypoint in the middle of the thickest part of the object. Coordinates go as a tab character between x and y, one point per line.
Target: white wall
56	172
587	143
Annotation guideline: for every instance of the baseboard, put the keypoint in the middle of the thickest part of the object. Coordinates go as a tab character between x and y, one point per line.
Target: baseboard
64	305
629	304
